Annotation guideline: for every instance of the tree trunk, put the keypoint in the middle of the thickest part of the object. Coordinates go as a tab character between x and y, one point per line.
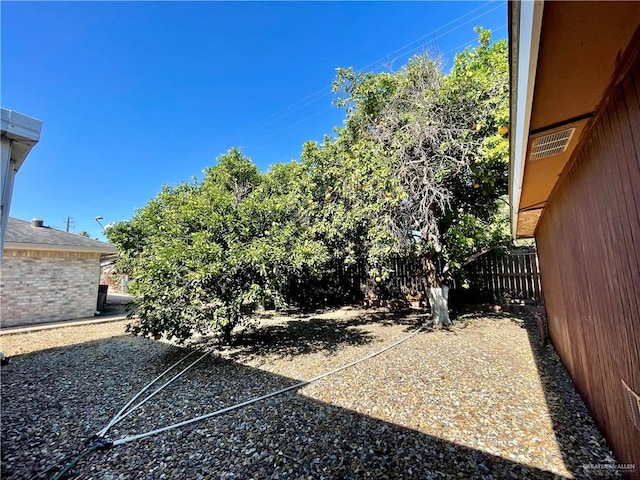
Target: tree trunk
226	333
438	301
437	294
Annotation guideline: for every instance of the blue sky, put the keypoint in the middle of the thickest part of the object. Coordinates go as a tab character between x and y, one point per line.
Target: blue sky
136	95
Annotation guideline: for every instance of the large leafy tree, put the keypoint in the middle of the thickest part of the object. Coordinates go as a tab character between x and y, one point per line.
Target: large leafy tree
417	170
433	147
354	197
204	253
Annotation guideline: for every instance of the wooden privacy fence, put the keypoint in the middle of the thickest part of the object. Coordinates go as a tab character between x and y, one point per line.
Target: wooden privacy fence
406	278
499	277
503	277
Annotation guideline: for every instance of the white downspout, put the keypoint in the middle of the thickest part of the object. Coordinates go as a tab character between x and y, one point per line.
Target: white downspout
6	188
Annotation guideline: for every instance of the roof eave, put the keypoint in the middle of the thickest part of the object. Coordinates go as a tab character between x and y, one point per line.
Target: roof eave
23	131
59	248
525	21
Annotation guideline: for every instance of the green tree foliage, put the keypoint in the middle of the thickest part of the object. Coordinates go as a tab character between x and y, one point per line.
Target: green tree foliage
478	86
204	253
420	166
419	170
438	140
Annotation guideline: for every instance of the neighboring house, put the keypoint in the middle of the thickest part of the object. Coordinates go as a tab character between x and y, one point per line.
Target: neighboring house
575	187
48	275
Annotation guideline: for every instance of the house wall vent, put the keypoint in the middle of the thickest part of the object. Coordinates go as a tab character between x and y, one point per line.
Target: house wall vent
552	144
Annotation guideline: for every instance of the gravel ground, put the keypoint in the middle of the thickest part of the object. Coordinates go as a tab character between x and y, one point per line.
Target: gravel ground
481	400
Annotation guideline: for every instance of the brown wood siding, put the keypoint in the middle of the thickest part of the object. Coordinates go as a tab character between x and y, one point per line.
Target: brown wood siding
589	250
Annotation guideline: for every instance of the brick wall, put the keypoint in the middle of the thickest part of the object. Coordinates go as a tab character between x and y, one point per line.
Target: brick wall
43	286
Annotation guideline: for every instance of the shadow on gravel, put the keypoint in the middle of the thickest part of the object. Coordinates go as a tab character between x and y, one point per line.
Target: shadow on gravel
411	318
47	415
298	336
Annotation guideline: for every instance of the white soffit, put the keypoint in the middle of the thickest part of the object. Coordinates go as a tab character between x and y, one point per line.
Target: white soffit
530	26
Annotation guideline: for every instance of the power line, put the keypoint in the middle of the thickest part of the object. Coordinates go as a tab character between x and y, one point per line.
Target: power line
293	124
325	91
470	42
415	49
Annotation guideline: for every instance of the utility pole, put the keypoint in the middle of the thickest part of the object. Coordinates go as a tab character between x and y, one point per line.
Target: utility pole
98	218
69	223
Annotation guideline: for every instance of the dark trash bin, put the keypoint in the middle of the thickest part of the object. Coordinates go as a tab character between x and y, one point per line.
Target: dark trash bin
102	297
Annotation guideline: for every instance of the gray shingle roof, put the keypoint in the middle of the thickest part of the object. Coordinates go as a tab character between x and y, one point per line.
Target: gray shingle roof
20	234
